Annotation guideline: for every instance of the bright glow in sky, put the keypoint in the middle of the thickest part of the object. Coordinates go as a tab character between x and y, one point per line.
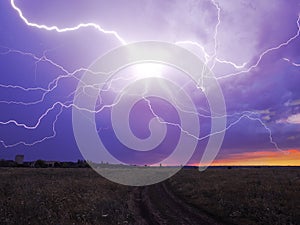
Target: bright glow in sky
252	47
146	70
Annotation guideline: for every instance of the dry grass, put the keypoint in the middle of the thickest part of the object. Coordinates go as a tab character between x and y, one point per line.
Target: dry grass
243	196
80	196
60	196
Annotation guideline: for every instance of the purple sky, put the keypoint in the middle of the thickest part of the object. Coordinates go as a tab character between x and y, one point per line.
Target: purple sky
262	97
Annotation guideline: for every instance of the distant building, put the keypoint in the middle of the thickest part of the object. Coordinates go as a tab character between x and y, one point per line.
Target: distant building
19	159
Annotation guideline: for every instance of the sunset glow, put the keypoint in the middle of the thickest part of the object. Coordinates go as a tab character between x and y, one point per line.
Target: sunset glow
289	157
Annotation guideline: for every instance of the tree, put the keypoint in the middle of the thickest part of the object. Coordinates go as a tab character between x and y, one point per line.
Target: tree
40	164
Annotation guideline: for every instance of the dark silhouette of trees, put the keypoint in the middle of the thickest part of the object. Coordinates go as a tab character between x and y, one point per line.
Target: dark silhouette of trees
40	164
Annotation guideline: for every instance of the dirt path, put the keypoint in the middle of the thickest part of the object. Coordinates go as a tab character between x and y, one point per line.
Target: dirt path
157	205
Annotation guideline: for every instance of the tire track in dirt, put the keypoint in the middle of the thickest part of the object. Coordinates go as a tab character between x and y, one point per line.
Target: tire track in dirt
156	205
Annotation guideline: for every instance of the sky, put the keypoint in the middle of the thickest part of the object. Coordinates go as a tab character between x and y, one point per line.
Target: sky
251	47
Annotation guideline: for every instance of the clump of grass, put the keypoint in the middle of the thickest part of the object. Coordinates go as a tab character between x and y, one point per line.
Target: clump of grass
243	196
61	196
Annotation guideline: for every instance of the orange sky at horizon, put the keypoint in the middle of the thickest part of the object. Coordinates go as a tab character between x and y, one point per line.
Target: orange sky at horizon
289	157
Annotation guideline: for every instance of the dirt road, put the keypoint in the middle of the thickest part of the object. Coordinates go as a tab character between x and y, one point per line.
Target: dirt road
157	205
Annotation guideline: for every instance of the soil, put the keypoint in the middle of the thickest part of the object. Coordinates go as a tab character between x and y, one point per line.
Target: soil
157	205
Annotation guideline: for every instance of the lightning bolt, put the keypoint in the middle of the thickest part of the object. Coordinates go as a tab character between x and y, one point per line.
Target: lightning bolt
265	53
53	135
60	30
293	63
246	114
72	74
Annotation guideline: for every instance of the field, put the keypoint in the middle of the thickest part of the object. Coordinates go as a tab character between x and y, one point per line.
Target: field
215	196
243	196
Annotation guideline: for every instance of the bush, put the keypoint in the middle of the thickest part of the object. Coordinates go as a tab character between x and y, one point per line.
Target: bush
40	164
